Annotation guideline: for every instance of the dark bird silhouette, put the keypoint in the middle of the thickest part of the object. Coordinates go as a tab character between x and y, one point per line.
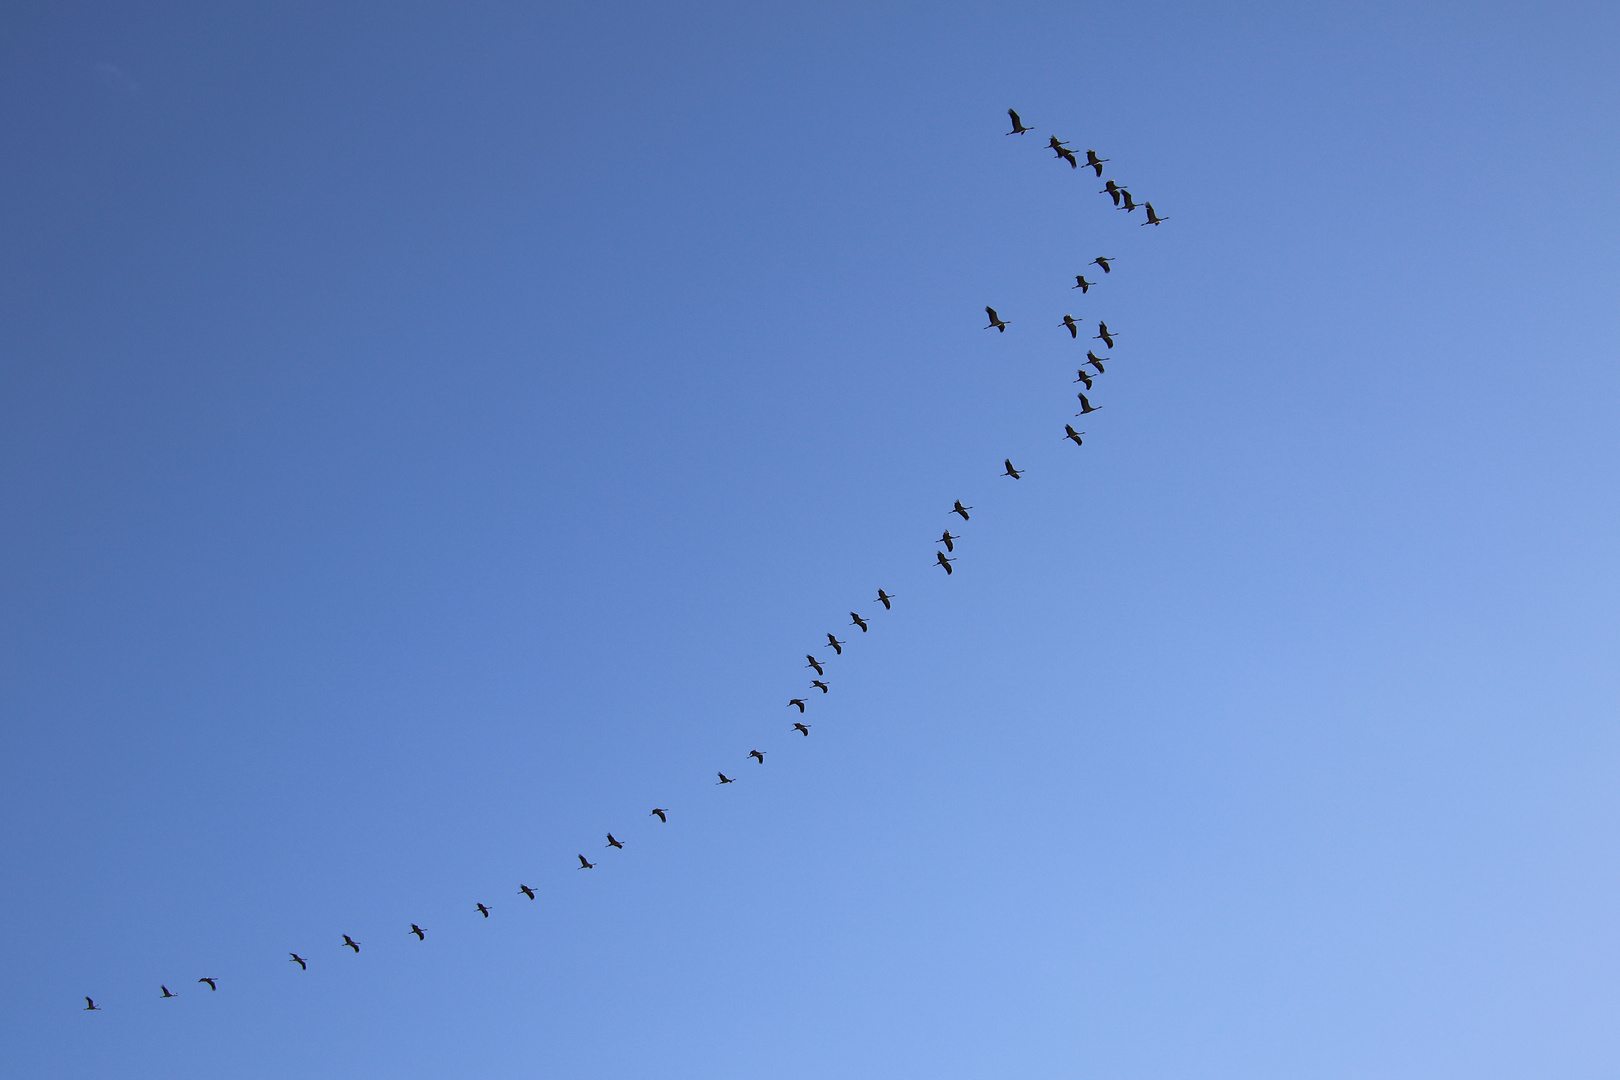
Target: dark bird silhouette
1012	472
856	620
819	685
1082	284
802	729
1112	190
939	557
1103	335
814	663
90	1005
1096	361
1103	261
724	779
884	598
1018	125
1073	435
799	701
659	812
613	843
586	864
1130	203
1086	406
757	755
1153	219
948	540
303	965
421	934
167	992
212	984
1068	155
350	943
960	509
1084	377
996	321
1074	327
1057	147
837	646
1095	162
525	890
483	909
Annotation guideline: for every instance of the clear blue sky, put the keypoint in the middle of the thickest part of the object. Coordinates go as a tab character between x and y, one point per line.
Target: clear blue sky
434	434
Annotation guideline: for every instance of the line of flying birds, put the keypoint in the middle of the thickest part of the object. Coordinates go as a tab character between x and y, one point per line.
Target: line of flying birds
943	559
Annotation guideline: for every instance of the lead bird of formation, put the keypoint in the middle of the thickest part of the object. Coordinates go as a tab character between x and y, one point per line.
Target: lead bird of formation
1121	197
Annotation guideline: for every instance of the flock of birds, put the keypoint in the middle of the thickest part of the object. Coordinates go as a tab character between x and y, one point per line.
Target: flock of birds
1092	368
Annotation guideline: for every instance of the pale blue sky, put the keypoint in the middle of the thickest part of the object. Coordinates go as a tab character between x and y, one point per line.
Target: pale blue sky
434	434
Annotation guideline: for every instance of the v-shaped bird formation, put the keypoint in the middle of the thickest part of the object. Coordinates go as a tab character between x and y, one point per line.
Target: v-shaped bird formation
1122	199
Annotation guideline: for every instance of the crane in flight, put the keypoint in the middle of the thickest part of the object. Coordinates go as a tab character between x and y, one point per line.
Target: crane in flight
1153	219
939	557
1113	191
1096	162
837	646
1103	261
659	812
819	685
1096	361
960	509
799	701
1018	127
483	909
1130	203
757	755
814	663
1073	435
884	599
996	321
724	779
421	934
948	540
167	992
90	1005
586	864
1082	284
525	890
856	620
1012	472
303	965
613	843
213	984
802	729
1103	335
1084	377
1074	327
350	943
1086	406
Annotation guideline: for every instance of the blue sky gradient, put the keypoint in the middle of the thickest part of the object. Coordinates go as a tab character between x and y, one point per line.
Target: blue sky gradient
433	435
